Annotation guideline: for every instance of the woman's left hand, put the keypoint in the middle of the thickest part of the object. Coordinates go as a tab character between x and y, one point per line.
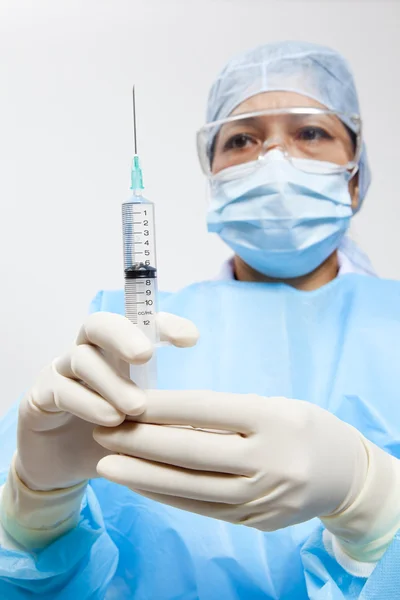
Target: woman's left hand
284	462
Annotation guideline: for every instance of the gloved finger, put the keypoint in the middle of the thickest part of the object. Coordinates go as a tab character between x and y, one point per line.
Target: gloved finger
176	330
74	398
216	510
116	334
249	514
182	447
88	364
204	409
139	474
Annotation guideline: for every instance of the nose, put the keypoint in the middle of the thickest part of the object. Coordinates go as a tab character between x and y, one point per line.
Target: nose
273	149
274	143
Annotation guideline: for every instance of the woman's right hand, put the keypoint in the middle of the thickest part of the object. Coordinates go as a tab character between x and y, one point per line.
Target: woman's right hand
86	387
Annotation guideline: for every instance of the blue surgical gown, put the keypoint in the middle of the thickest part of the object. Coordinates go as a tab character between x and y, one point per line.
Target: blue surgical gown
338	347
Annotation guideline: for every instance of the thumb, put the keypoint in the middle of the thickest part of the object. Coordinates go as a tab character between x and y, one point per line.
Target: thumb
176	330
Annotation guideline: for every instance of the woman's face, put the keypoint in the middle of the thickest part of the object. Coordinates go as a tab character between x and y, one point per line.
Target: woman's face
241	141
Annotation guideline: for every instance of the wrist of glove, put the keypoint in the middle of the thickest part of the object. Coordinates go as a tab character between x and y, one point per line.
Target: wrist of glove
366	528
35	519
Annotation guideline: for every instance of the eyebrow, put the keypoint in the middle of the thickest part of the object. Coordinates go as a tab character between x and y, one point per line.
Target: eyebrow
331	120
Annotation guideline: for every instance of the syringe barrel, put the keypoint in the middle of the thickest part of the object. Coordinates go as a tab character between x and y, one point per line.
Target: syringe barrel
138	229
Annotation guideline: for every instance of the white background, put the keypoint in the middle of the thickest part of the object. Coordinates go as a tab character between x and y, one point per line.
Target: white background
66	70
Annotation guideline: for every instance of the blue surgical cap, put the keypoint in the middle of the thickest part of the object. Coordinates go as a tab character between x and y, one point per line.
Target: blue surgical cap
314	71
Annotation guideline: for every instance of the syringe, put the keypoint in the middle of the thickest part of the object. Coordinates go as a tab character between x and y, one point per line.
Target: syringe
138	231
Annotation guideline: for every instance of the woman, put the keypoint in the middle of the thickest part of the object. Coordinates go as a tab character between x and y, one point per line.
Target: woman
302	360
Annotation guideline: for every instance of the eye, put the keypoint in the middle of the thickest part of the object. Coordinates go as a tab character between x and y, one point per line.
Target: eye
313	134
240	141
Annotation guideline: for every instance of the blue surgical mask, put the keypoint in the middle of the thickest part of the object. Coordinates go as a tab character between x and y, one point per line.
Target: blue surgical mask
282	221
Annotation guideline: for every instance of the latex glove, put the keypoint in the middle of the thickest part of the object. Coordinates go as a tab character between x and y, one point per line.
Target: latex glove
89	386
286	461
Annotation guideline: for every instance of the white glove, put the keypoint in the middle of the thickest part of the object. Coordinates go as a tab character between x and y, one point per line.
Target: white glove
286	461
56	452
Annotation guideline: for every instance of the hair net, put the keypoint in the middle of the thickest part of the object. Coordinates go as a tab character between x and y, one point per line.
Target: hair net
314	71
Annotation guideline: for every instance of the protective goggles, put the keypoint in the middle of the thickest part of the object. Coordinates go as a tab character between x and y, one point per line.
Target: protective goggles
326	141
